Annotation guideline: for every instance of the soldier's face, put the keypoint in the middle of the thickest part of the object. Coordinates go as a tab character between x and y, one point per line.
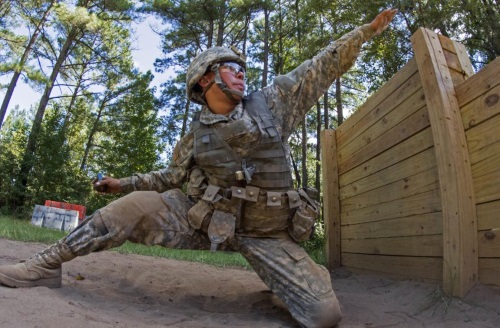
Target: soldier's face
233	76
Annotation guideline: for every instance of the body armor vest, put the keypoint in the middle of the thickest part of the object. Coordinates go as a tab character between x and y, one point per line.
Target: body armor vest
265	166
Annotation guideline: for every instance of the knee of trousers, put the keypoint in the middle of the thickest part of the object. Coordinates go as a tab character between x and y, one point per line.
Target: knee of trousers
148	217
323	313
125	212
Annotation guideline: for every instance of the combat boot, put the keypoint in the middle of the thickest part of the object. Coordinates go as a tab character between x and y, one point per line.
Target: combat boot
43	269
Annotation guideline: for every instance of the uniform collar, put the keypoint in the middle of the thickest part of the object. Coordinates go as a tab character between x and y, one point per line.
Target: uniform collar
207	117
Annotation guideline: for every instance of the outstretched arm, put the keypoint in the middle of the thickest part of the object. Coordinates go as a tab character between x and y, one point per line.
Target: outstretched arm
293	94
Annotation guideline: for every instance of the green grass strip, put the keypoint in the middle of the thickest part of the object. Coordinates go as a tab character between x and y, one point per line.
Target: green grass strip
22	230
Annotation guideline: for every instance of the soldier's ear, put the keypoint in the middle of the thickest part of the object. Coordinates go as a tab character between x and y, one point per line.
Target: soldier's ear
203	81
206	79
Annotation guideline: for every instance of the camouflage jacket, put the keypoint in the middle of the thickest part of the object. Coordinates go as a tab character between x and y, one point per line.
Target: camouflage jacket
289	98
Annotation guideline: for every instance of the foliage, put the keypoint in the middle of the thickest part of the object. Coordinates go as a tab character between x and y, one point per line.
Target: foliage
104	120
132	120
13	137
316	245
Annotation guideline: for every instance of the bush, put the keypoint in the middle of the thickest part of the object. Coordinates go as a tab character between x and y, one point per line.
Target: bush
315	246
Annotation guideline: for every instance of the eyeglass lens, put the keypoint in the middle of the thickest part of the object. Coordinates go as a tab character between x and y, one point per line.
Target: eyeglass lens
234	68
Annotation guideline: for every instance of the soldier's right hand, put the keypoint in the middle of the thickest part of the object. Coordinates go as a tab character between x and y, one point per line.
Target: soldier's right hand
381	22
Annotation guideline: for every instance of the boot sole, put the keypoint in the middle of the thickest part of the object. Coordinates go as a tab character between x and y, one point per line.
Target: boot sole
44	282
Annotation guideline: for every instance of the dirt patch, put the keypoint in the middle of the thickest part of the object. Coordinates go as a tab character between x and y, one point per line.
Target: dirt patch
140	291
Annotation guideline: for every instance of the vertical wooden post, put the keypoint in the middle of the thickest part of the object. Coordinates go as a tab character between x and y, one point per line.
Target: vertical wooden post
331	200
460	257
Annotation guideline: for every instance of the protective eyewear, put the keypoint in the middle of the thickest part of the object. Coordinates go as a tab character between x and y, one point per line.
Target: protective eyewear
232	67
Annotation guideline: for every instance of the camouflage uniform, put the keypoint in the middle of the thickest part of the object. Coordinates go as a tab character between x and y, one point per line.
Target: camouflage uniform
155	211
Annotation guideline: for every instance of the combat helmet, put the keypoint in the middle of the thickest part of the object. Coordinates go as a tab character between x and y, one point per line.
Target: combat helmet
208	60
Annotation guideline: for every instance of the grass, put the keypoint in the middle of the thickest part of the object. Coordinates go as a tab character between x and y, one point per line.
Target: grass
22	230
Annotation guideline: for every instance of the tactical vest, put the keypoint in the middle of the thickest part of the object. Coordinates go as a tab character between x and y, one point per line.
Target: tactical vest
265	166
249	195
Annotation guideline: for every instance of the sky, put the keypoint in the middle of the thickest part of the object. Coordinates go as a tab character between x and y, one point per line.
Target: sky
145	49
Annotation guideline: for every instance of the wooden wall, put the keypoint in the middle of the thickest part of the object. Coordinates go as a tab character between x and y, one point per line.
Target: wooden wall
402	176
479	101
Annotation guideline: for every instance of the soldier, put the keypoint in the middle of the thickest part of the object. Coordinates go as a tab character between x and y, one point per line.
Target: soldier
239	195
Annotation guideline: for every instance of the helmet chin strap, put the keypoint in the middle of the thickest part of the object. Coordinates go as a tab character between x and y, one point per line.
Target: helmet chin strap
223	86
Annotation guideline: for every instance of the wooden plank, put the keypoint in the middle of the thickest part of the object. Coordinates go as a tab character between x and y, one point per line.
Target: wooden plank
458	60
456	77
420	162
463	57
489	271
446	43
488	215
484	134
403	188
361	139
430	245
404	266
426	202
400	78
410	126
487	166
455	177
331	203
459	50
415	225
406	149
453	63
487	187
400	104
489	242
486	175
484	154
478	84
481	108
484	147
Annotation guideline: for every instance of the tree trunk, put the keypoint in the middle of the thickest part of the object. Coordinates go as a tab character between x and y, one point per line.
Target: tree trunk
220	30
90	139
185	118
296	170
74	97
37	123
22	61
304	120
338	98
210	35
326	109
318	148
245	34
280	61
266	48
304	153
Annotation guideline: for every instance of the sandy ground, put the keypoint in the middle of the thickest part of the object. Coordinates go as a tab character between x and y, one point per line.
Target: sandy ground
139	291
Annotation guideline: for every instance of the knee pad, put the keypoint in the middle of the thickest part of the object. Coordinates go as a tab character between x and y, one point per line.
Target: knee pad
323	313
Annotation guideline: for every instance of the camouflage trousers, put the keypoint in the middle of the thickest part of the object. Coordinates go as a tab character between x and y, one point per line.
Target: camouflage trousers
150	218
